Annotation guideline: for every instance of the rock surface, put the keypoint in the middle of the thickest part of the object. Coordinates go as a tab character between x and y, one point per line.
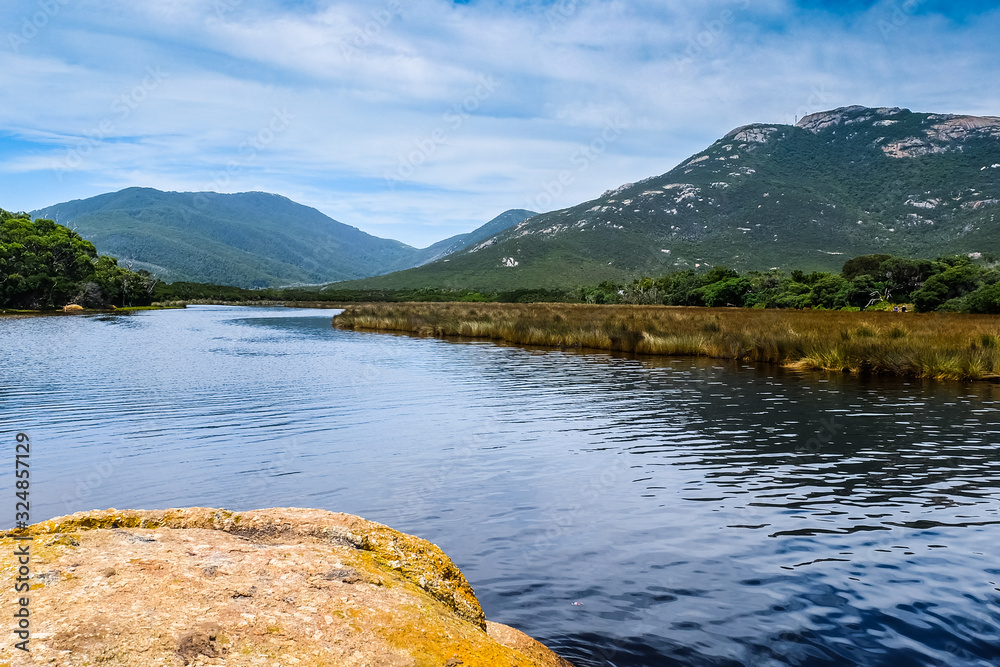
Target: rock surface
946	133
270	587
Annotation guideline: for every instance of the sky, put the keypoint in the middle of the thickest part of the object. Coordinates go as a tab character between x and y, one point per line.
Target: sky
420	119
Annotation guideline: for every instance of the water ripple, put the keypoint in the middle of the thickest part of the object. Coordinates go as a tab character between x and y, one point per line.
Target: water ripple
626	511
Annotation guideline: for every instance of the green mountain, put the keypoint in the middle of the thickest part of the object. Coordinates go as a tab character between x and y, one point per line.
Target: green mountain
248	239
838	184
251	239
453	244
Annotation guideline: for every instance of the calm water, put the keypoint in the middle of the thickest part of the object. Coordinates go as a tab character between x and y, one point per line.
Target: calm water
623	511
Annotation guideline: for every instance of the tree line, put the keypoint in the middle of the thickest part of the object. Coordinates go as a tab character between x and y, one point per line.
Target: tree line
958	283
44	265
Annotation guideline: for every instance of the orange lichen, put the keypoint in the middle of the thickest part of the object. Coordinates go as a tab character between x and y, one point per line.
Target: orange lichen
293	585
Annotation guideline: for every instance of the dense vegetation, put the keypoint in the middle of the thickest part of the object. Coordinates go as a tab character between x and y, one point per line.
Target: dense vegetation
956	284
184	291
44	265
869	282
944	346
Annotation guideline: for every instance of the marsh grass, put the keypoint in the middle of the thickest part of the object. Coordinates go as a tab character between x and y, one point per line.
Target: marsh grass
943	346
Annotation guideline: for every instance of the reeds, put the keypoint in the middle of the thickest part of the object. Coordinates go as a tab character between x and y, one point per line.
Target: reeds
942	346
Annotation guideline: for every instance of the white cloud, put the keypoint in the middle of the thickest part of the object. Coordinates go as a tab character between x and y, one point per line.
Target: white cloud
384	88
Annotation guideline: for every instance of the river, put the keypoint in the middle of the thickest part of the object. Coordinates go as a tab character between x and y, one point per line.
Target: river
625	511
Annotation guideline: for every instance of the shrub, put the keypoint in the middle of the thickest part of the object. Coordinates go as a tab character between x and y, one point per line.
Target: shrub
728	292
985	300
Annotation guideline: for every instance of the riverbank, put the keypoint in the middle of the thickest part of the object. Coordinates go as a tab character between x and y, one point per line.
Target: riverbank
321	305
276	586
215	302
172	305
124	310
933	345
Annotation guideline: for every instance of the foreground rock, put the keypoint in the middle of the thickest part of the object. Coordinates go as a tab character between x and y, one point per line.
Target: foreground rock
270	587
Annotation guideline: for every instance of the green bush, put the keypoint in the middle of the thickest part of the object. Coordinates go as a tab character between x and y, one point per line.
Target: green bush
727	292
985	300
870	282
45	265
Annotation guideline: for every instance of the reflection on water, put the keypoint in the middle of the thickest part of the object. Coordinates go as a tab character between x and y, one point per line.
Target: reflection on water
625	511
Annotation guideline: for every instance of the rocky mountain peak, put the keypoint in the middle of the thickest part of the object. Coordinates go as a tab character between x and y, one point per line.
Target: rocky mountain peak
848	115
914	134
959	127
841	183
757	133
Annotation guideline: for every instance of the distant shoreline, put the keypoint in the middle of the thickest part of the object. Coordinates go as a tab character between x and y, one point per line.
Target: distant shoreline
942	346
14	312
172	305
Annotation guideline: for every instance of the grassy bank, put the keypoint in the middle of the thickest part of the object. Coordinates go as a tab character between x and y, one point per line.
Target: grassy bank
942	346
184	303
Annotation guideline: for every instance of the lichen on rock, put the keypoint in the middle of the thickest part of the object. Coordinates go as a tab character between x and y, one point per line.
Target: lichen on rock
204	586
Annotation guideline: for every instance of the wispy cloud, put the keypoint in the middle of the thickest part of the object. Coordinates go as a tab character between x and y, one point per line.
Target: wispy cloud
387	125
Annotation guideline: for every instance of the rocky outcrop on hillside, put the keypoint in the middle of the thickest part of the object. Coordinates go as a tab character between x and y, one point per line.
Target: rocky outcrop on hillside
938	133
838	184
270	587
848	116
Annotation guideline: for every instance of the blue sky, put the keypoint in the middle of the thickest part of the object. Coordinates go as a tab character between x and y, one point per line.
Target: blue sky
419	119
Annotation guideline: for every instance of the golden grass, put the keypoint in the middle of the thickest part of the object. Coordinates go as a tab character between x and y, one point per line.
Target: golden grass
941	346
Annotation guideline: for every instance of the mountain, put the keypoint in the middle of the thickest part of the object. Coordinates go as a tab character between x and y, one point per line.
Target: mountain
247	239
836	185
453	244
251	239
